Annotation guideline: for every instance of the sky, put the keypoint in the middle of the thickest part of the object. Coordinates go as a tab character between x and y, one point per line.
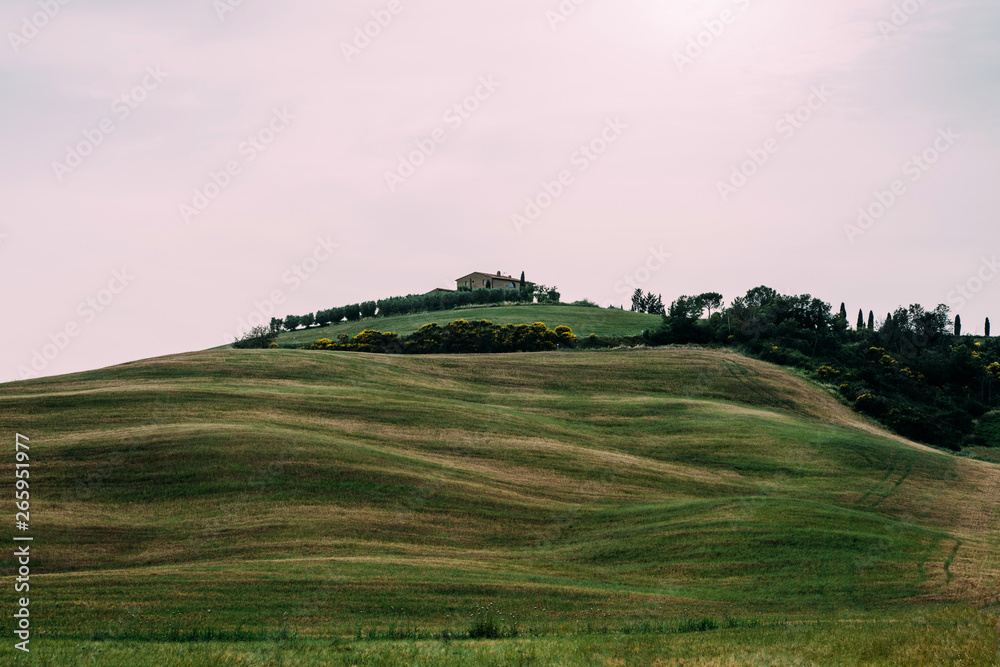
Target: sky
173	172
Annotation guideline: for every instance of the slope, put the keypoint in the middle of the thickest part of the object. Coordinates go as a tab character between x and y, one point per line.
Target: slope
327	492
582	320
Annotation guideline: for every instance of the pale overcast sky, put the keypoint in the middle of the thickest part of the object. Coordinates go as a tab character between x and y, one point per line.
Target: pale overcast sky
174	163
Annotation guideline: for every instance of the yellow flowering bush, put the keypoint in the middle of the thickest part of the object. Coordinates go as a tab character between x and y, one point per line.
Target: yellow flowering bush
827	372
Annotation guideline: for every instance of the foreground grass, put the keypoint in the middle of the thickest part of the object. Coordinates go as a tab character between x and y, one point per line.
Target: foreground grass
940	636
291	492
582	320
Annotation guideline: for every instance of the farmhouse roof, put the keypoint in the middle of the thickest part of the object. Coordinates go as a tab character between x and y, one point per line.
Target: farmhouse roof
488	274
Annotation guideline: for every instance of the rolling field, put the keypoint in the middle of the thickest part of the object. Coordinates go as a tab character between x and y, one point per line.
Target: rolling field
581	319
296	507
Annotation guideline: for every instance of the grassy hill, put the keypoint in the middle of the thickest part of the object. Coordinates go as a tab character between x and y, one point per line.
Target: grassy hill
582	320
600	502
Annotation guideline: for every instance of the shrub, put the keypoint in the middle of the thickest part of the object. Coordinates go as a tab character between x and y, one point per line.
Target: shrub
258	338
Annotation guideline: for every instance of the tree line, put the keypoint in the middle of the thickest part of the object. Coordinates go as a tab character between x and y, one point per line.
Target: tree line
420	303
913	370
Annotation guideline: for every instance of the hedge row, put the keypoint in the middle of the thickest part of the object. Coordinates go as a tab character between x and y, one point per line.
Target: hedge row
404	305
460	336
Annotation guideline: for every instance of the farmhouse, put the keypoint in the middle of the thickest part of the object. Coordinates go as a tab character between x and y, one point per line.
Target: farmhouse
479	280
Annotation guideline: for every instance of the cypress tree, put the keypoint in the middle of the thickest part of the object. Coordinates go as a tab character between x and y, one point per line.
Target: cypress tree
861	320
958	325
987	327
522	281
843	312
871	320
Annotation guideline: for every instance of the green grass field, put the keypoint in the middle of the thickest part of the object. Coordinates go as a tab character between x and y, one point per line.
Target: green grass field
581	319
297	507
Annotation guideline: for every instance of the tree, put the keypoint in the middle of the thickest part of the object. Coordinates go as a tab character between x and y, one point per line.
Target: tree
258	338
638	301
686	308
711	301
843	311
861	319
307	320
541	292
276	324
987	327
292	322
958	325
553	294
871	320
654	304
928	325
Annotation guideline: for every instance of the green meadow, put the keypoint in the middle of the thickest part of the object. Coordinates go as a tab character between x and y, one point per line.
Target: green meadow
582	320
611	507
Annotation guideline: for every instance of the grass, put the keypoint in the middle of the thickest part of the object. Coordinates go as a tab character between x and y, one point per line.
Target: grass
582	320
936	636
583	507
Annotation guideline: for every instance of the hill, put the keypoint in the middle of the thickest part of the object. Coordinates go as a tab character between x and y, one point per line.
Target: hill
582	320
267	492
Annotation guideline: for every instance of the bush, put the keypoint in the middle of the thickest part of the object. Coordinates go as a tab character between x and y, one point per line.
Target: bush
258	338
460	336
987	432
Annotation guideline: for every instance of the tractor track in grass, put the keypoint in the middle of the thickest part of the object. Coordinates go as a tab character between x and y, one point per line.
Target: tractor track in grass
881	492
928	567
743	375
